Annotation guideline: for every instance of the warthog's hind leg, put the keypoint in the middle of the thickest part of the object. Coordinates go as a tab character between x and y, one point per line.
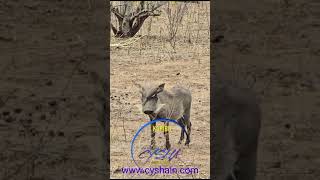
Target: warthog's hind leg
188	133
185	120
180	121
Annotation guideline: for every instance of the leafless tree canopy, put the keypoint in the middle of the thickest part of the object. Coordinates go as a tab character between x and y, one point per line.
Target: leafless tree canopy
132	14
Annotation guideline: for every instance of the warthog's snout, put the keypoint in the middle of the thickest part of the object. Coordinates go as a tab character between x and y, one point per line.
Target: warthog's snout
148	112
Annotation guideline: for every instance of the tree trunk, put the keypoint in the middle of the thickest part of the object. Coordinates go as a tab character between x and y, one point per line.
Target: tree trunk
131	19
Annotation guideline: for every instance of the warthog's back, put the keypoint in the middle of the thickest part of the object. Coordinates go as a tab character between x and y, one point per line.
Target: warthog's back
177	102
182	93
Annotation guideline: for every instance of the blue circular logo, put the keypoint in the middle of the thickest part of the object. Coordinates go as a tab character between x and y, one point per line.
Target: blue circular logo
174	152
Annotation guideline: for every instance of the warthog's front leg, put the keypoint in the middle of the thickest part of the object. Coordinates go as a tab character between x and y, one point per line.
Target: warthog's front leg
166	134
181	136
153	134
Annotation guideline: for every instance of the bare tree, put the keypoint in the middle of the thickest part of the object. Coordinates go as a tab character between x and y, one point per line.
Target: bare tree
175	13
132	14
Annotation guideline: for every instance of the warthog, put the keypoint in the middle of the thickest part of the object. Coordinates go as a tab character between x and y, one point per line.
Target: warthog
160	103
237	119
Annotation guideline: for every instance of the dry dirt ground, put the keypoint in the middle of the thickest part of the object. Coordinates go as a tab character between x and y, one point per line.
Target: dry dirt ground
151	58
275	42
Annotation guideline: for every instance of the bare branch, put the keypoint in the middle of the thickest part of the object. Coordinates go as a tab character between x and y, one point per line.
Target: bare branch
114	30
137	25
159	4
117	13
142	11
145	13
142	4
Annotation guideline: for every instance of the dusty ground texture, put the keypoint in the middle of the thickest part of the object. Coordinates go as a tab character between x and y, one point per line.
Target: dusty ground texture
52	62
276	42
151	58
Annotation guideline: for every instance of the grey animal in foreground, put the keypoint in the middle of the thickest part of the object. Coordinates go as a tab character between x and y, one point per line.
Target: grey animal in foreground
160	103
237	118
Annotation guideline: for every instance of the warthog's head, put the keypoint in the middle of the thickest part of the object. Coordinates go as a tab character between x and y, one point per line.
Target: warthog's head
151	104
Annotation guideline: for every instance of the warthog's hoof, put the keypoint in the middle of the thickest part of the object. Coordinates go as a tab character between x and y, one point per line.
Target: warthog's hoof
168	146
187	143
180	141
153	146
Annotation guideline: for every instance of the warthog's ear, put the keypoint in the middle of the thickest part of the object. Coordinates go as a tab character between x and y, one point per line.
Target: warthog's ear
138	86
160	87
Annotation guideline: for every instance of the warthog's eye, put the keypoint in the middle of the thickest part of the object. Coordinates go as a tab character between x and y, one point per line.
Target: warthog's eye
152	97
